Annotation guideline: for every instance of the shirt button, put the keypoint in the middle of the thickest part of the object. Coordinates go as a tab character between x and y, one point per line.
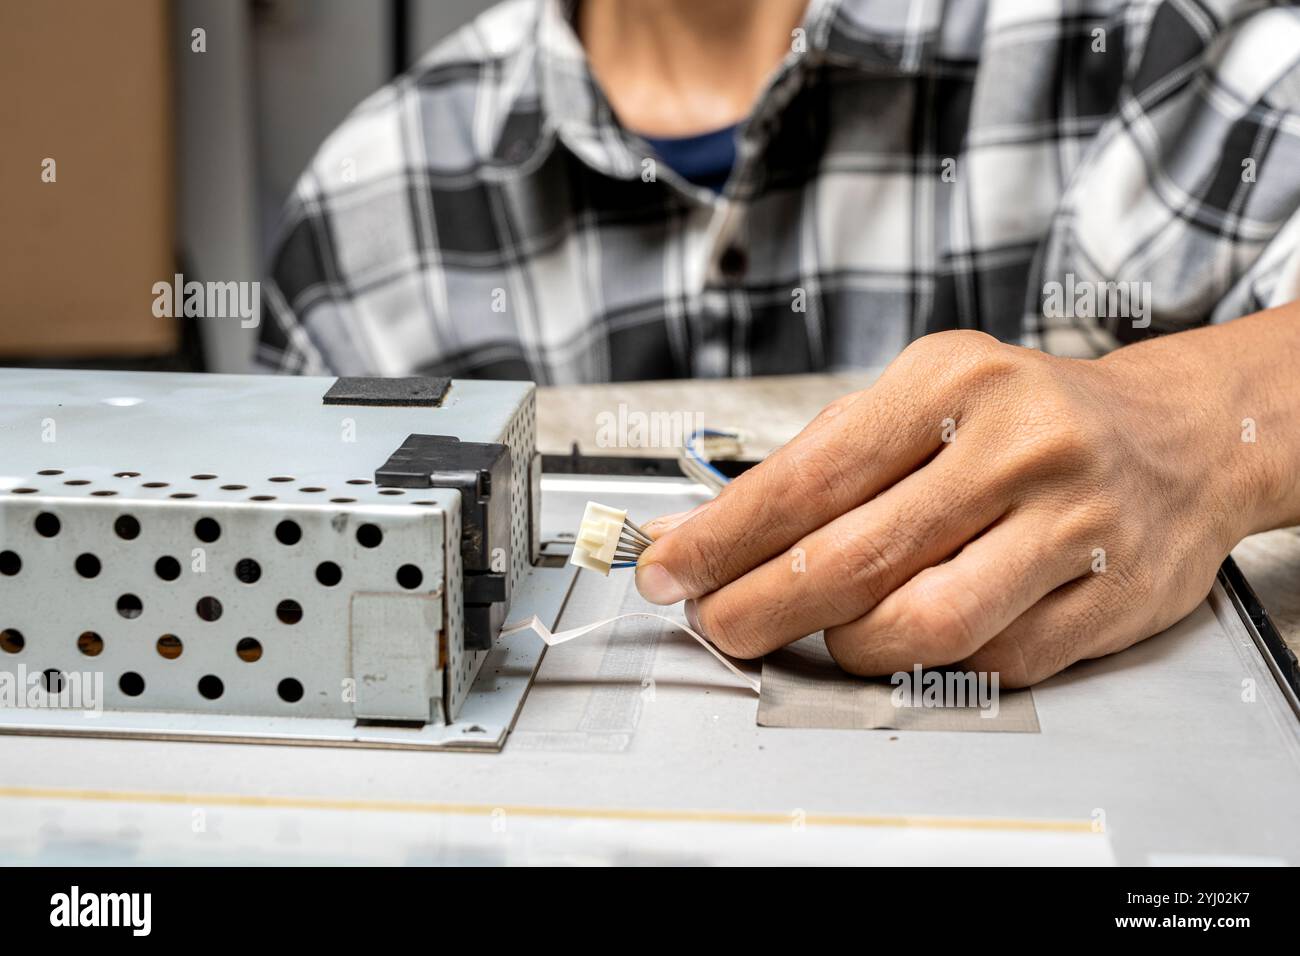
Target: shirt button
733	263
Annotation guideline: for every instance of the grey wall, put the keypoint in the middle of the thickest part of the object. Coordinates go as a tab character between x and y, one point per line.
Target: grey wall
216	167
277	76
315	60
431	20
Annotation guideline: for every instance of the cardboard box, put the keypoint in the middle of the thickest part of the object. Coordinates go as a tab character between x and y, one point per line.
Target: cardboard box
87	83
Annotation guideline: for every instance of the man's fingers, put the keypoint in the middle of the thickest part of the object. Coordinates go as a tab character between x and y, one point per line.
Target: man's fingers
841	571
658	527
1077	620
947	613
870	441
1096	615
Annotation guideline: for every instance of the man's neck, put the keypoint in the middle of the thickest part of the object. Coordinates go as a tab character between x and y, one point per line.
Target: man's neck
679	67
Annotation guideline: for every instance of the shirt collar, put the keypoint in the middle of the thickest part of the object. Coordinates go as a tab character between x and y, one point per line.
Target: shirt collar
889	37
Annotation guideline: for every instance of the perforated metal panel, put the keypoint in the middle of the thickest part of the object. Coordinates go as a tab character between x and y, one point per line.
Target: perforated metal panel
203	604
202	542
521	437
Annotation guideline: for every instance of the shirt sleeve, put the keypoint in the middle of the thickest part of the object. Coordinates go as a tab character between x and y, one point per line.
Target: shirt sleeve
284	342
1191	191
342	238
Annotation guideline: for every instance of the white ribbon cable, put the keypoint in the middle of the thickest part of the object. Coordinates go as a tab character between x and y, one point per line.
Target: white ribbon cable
559	637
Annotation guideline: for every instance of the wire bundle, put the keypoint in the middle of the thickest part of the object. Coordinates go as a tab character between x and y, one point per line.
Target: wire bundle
632	541
606	539
705	444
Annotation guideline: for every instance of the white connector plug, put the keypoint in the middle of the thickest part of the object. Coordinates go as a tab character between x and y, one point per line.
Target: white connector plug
606	538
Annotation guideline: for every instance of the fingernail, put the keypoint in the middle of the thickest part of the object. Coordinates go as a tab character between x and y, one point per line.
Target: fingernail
666	523
693	617
658	586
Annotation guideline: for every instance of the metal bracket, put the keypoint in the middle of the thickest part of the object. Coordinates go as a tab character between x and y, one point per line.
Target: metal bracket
480	471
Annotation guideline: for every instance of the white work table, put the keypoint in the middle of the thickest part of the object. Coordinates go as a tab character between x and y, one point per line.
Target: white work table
636	746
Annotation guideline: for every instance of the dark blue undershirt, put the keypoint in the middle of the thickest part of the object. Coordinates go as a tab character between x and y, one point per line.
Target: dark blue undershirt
705	160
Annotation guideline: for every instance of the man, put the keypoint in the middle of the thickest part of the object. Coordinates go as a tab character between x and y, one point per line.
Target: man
629	189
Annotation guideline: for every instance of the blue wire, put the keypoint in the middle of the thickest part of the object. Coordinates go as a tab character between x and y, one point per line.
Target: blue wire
623	564
704	462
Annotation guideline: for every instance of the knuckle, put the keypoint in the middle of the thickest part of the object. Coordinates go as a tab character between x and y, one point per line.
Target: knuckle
1053	447
844	647
978	385
837	407
1058	648
940	356
816	472
1006	657
1038	646
1093	523
1046	446
729	631
1134	579
868	568
942	631
954	342
978	360
1008	664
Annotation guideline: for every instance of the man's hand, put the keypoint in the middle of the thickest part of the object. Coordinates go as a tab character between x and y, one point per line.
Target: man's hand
989	505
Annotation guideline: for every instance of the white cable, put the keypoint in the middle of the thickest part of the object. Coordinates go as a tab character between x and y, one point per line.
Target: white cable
559	637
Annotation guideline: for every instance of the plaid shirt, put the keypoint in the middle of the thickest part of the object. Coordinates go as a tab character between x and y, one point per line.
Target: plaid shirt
911	167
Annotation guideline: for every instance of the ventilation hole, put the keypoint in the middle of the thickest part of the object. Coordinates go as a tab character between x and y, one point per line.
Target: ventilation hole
47	525
328	573
289	612
103	494
234	487
312	490
360	481
207	530
169	646
183	494
262	498
425	503
208	608
247	570
369	536
167	568
281	478
24	491
290	690
409	576
126	474
127	528
343	501
50	471
154	484
90	644
10	563
76	482
288	532
211	687
131	684
12	640
88	565
129	606
391	491
52	681
249	649
203	477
